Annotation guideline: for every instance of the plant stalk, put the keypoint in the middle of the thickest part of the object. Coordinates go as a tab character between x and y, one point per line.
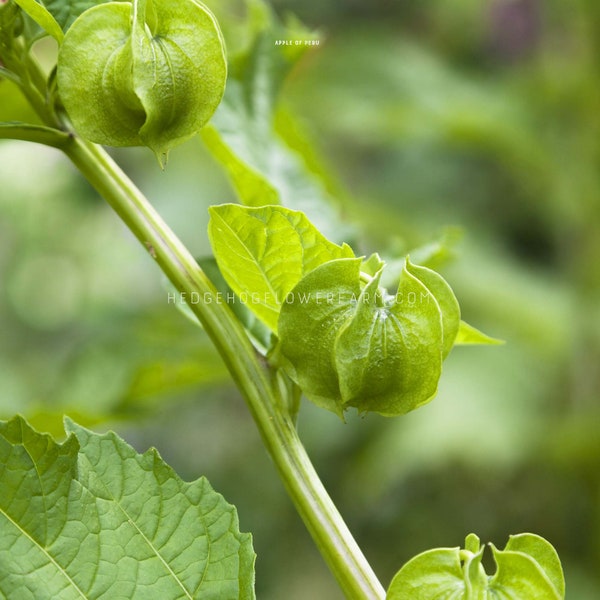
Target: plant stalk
254	379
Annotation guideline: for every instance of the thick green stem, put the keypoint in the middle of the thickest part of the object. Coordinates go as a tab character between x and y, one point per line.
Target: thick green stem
254	379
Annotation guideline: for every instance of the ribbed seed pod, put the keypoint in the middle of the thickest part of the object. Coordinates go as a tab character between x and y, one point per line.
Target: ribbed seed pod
146	73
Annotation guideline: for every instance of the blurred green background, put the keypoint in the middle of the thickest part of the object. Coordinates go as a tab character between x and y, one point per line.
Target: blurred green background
477	122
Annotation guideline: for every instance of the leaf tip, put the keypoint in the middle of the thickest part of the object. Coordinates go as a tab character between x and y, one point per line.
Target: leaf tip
469	335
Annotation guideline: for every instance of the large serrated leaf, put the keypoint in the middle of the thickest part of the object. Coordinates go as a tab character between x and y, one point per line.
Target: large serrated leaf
91	518
264	252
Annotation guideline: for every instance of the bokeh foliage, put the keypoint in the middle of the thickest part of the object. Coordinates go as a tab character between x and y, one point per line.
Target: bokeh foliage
479	116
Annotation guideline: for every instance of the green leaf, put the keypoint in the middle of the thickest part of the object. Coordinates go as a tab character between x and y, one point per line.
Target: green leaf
242	134
40	14
143	73
66	11
343	339
11	26
350	344
264	252
91	518
259	333
435	254
267	157
468	335
527	569
54	16
262	168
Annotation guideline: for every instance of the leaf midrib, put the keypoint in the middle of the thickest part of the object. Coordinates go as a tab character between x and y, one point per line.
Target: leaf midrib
36	544
145	538
254	260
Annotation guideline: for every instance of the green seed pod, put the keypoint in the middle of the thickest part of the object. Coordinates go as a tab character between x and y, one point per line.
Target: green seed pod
146	73
362	347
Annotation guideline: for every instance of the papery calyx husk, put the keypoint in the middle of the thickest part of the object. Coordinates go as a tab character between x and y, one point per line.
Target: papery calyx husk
146	73
361	347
